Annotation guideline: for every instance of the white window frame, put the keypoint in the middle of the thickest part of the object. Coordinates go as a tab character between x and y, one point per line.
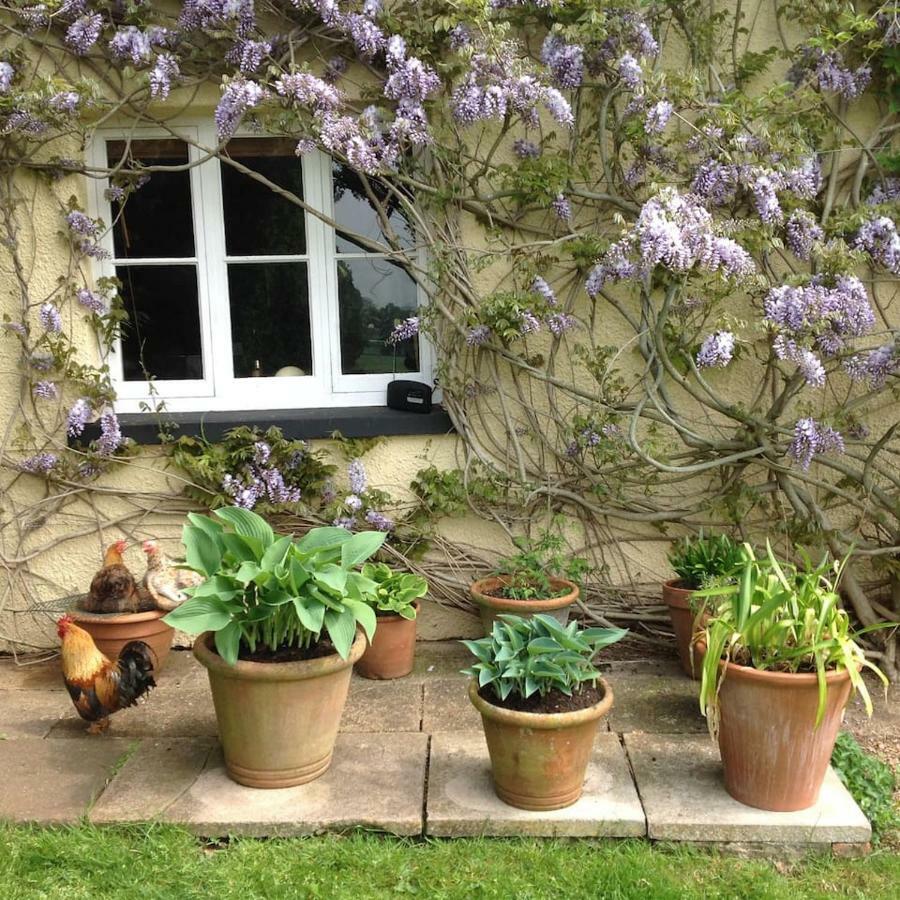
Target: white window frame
219	390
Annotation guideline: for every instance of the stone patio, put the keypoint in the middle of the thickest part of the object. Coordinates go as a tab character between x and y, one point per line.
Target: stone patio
411	760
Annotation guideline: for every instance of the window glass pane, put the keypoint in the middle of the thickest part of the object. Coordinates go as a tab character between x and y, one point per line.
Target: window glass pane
270	319
258	222
374	294
155	220
162	334
353	208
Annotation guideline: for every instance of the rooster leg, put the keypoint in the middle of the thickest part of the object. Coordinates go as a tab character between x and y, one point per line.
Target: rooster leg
98	727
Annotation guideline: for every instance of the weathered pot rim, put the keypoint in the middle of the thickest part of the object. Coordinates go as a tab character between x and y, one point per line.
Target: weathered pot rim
542	721
504	604
776	679
675	595
283	671
396	617
117	618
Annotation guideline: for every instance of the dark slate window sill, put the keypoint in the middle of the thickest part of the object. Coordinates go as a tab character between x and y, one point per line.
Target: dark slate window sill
306	424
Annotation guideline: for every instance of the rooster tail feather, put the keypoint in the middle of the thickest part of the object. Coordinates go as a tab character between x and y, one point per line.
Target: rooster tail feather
135	666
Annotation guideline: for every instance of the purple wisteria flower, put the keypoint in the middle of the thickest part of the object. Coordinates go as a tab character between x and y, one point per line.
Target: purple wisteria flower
717	350
874	366
15	327
308	90
764	186
565	61
478	335
81	224
879	238
249	55
367	37
411	80
614	266
238	97
559	323
526	149
353	503
540	286
808	363
460	37
329	493
110	434
90	301
130	43
45	390
39	464
379	521
356	474
802	232
34	16
82	34
810	439
348	523
658	117
887	191
65	101
562	207
630	71
161	76
78	417
51	320
833	76
6	76
529	323
404	331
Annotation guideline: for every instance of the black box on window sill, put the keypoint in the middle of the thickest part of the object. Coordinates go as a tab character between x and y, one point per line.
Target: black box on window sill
409	396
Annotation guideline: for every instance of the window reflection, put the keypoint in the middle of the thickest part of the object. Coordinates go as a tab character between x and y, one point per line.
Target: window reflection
354	210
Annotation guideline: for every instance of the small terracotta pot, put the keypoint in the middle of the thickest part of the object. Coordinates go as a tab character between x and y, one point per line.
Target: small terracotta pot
685	625
392	651
112	631
773	755
490	607
278	721
539	760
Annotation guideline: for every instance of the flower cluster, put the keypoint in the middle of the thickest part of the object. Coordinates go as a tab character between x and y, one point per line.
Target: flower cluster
51	320
356	473
874	366
565	61
717	350
110	434
355	502
39	464
404	331
238	97
45	390
260	482
83	33
802	233
879	238
78	417
810	439
84	232
90	301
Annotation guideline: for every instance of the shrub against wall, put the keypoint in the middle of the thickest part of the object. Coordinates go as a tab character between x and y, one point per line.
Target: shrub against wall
661	239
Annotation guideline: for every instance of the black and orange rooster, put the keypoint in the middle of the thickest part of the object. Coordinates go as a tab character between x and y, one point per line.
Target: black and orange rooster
99	687
114	589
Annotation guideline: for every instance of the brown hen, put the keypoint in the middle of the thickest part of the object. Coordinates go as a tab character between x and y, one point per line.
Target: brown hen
114	589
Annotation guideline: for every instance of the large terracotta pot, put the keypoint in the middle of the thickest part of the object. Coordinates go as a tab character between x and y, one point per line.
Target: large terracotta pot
278	721
392	651
678	599
490	607
112	631
539	760
773	755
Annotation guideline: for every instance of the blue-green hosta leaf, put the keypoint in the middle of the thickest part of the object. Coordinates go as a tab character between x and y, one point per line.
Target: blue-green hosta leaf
543	645
341	628
202	552
298	575
247	524
242	549
228	642
205	523
199	614
310	613
332	577
247	572
221	586
276	553
360	587
364	614
325	538
360	547
486	676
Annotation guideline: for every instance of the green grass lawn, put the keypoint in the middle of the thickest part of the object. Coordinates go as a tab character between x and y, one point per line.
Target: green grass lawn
165	862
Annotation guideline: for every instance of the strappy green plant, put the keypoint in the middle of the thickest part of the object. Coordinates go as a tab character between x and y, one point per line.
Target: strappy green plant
786	618
701	561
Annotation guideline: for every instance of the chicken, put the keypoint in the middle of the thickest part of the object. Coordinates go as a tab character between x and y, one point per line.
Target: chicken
99	687
164	582
114	589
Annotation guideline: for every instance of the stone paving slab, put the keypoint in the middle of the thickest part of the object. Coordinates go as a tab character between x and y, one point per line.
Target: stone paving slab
31	713
679	778
30	675
439	659
446	707
155	775
47	783
462	802
375	781
655	703
383	705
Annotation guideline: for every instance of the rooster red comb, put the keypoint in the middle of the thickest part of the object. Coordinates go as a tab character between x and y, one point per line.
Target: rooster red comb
63	624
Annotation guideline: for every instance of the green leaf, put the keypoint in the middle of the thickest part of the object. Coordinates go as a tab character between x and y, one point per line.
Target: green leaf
360	547
205	523
202	553
276	553
325	538
228	642
332	577
341	628
310	613
199	614
364	615
241	548
247	524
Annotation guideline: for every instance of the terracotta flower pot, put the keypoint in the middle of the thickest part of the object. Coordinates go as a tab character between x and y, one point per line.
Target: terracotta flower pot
278	721
392	651
539	760
678	599
112	631
773	755
490	607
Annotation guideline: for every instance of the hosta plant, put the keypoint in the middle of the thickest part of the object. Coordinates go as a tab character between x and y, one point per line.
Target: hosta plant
538	655
395	593
263	590
785	618
700	561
